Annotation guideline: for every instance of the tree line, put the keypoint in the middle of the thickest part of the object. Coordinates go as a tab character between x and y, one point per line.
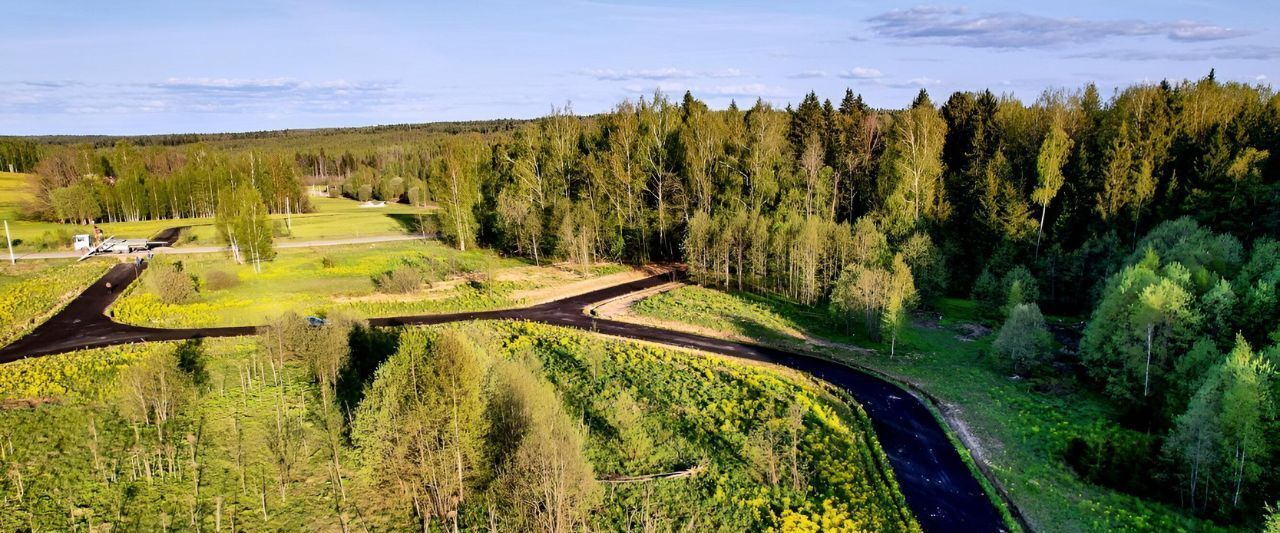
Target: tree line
770	200
128	184
18	154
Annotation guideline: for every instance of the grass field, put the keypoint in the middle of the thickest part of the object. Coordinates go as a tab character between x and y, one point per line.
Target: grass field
1022	432
32	291
333	218
77	464
73	462
299	280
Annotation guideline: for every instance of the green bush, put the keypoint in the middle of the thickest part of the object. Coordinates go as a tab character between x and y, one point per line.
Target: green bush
55	239
999	294
1023	340
401	280
1117	458
191	360
216	280
988	292
280	229
171	284
1027	289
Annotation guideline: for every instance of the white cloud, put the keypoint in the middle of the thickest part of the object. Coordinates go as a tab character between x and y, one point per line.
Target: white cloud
227	83
659	74
1243	51
748	89
200	95
644	74
913	83
955	27
861	73
726	73
703	91
1192	31
810	74
856	73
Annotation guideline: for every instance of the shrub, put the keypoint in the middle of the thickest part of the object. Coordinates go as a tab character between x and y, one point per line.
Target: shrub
171	284
987	291
1117	458
55	239
190	355
1020	287
217	280
280	229
1023	339
999	294
480	281
403	279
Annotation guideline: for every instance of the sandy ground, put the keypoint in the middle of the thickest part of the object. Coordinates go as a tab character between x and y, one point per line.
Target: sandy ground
546	283
547	294
620	309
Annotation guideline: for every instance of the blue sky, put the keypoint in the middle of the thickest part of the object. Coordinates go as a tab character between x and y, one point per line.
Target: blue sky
131	67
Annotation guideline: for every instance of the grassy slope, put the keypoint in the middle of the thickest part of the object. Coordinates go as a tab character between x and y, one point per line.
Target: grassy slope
1022	432
691	408
64	490
334	218
297	280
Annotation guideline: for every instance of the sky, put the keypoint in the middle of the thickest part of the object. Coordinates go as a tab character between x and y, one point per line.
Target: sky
133	67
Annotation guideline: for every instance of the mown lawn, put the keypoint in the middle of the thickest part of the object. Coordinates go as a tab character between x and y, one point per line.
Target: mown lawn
1023	432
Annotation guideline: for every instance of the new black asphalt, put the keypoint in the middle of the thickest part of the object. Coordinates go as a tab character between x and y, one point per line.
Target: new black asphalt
939	487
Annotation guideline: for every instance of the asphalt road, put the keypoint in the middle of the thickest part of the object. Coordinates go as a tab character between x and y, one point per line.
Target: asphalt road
941	491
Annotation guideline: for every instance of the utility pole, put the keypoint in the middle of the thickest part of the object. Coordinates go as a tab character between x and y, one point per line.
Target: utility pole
9	240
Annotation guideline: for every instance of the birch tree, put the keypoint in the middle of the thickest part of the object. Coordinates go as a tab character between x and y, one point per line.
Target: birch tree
1053	155
455	186
913	165
242	223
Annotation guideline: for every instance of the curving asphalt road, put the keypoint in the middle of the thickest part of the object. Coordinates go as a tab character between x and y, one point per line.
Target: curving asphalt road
939	487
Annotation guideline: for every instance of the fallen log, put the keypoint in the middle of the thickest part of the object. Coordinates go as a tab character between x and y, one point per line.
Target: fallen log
689	472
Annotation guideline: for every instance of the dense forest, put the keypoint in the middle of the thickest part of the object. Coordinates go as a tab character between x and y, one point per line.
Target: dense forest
1152	215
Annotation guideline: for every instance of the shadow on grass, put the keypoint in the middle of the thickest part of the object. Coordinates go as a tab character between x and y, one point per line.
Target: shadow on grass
808	321
370	347
423	224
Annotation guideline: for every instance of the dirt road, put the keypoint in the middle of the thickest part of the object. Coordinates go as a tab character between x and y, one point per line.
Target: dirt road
939	488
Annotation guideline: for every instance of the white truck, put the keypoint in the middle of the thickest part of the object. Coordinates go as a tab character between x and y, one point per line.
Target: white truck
112	245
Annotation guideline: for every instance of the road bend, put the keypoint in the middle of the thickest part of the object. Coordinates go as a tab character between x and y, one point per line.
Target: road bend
940	489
